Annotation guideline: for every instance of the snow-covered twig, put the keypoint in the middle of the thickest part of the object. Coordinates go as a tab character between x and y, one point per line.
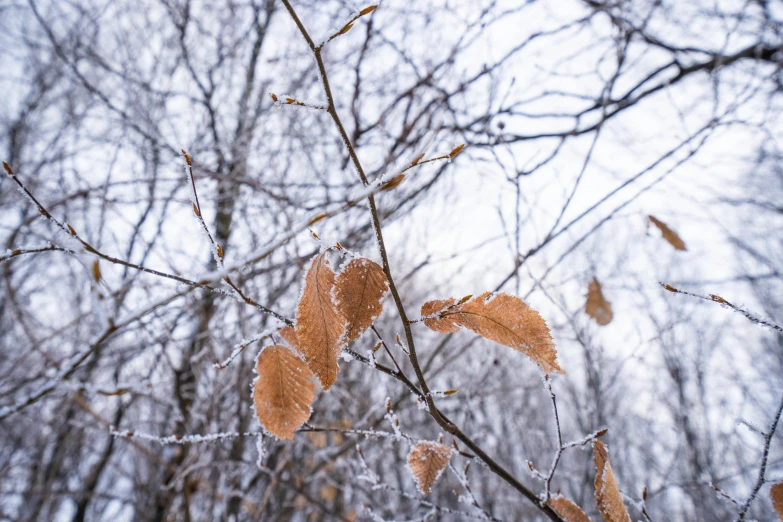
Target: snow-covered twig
182	439
750	316
762	478
240	347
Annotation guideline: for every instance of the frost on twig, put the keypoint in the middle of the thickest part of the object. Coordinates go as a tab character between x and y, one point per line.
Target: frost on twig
181	439
750	316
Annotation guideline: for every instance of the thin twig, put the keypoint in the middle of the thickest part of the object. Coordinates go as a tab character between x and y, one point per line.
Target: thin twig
762	478
750	316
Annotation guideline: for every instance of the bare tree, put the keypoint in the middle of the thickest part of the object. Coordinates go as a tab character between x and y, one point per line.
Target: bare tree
185	166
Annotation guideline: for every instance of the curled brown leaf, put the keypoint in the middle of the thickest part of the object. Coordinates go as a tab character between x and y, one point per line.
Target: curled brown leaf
289	336
597	306
668	234
567	510
319	325
776	494
607	494
502	318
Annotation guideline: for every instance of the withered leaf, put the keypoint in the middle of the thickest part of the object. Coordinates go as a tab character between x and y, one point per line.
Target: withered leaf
597	306
668	234
359	293
567	510
426	461
607	495
776	494
319	325
289	336
434	316
328	492
96	271
502	318
282	393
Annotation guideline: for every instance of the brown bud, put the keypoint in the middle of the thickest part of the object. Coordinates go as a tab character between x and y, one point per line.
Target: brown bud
196	210
274	96
393	182
377	346
71	230
465	299
187	157
16	252
669	287
450	392
367	10
219	250
345	29
8	168
417	159
456	150
318	218
602	432
644	493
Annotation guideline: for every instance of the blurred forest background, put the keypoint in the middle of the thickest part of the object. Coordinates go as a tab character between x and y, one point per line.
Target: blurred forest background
581	118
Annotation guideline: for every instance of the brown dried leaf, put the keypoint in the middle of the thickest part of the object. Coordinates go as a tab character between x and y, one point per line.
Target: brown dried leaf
502	318
567	510
289	336
607	495
319	325
776	494
440	323
282	393
668	234
426	461
359	292
328	492
597	306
